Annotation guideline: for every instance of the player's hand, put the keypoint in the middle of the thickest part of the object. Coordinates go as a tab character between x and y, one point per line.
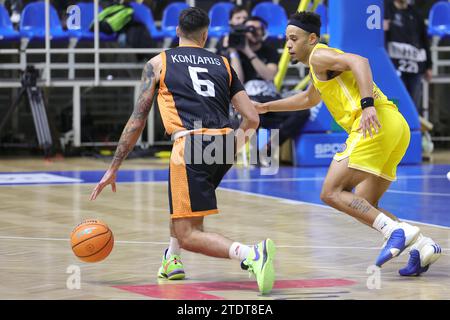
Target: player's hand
108	178
225	42
428	75
368	121
260	107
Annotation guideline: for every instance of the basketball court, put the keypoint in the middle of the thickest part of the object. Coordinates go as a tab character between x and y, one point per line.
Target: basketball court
81	83
321	253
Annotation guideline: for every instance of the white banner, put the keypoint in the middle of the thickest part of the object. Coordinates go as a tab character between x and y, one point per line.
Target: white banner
406	51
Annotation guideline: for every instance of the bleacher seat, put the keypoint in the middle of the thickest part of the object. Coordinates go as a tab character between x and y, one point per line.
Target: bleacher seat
275	16
32	23
86	17
7	32
219	15
170	18
439	19
144	15
322	11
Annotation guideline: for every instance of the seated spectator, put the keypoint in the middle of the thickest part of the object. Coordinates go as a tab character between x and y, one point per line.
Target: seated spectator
14	7
238	15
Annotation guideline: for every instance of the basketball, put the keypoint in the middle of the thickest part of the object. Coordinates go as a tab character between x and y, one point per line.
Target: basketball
92	240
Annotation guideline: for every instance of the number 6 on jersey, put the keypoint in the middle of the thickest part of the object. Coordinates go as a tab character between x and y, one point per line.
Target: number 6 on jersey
209	92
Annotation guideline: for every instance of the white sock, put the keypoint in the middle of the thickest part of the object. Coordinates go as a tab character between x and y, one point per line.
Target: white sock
174	247
384	224
238	251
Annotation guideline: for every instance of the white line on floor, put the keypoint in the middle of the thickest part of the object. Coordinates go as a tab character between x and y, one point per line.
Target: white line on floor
317	205
165	243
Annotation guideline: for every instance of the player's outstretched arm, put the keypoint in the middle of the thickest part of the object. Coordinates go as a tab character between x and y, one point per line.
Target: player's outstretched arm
301	101
135	125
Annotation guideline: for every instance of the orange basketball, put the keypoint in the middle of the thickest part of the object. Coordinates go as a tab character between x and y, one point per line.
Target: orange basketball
92	240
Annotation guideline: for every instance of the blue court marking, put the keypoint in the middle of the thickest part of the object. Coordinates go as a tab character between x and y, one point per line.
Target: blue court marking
91	176
421	193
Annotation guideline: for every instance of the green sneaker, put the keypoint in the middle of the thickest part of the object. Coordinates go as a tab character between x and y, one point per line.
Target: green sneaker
260	262
171	268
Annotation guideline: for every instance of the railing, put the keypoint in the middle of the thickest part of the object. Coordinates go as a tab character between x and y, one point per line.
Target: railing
71	81
71	66
437	79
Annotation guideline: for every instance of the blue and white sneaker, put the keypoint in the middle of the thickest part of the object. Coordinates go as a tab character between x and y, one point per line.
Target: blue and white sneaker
399	239
423	253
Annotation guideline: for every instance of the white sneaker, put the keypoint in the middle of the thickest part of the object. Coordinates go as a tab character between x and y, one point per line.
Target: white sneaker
423	253
399	239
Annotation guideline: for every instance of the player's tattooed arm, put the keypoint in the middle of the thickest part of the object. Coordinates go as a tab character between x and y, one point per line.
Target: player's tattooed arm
136	123
134	126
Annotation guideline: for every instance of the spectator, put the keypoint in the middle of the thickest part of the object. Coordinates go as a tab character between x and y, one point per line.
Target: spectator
248	4
238	15
408	46
256	64
14	7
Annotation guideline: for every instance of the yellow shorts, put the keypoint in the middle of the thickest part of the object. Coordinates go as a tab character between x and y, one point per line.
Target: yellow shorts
381	154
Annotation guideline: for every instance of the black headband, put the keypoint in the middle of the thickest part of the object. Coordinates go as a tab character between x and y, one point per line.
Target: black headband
305	26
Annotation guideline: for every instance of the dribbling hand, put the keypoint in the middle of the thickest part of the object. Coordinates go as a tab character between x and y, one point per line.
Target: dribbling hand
108	178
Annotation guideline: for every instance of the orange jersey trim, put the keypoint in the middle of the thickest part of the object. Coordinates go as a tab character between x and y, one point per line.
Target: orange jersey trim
227	65
181	202
169	114
194	214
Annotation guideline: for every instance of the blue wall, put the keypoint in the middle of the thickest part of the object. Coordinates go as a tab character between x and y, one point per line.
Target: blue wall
349	32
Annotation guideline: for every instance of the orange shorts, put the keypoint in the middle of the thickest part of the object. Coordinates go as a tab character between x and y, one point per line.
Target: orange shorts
192	184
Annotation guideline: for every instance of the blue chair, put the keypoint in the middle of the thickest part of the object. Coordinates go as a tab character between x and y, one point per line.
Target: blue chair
219	15
7	32
322	11
170	18
86	17
439	19
144	15
275	16
32	23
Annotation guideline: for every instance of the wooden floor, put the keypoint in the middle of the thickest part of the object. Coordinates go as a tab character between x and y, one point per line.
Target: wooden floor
321	254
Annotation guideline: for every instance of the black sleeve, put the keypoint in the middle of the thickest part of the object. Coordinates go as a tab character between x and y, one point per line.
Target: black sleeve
388	16
236	84
425	40
387	10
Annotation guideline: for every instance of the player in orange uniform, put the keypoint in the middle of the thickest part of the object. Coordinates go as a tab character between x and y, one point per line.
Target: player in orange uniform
195	86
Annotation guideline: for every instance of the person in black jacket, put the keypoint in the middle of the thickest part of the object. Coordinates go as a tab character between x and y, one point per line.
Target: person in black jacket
408	46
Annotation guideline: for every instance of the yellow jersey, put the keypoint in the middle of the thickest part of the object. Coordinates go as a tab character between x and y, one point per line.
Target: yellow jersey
341	95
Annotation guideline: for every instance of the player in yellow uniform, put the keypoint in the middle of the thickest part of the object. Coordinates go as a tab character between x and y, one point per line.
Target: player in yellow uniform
377	141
